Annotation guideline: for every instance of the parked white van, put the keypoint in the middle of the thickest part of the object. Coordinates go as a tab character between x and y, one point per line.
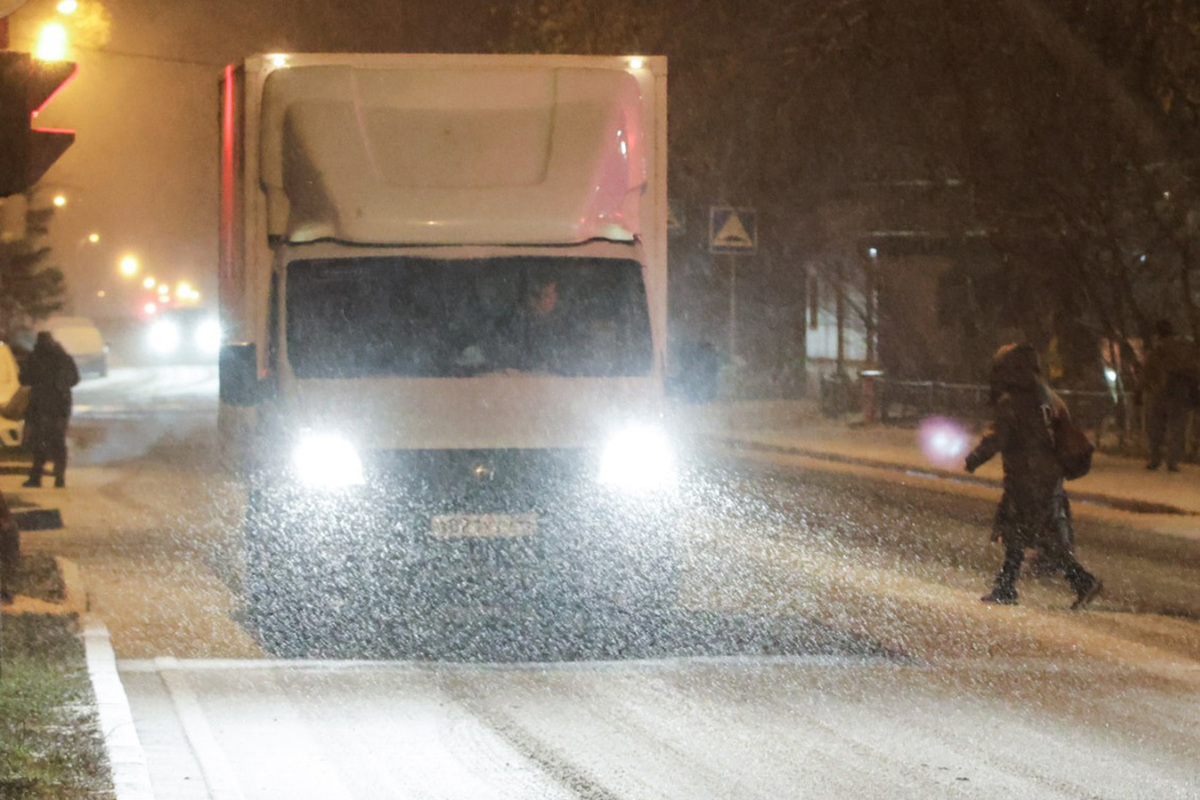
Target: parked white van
80	337
10	431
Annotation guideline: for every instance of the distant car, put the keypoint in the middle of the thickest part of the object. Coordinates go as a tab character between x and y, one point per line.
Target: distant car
10	430
184	334
80	337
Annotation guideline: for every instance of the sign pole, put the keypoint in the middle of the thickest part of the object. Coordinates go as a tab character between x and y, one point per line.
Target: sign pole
733	344
732	232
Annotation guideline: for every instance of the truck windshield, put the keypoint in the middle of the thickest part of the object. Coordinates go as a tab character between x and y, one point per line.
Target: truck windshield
426	317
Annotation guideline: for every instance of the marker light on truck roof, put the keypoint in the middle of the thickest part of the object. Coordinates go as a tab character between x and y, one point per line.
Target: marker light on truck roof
327	461
638	459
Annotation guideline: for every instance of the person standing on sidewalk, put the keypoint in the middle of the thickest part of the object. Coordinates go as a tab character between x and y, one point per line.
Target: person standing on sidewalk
1033	508
1171	387
50	373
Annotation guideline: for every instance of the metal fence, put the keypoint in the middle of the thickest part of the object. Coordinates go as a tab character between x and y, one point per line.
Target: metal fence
899	400
1117	426
972	401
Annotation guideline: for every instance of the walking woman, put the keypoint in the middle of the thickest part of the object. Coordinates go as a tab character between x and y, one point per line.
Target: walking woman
1033	509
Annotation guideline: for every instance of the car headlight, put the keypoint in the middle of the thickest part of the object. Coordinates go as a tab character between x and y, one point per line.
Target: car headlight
164	337
326	461
638	459
208	336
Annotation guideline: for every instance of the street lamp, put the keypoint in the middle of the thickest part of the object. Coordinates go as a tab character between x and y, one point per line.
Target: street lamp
60	200
130	266
68	6
148	283
52	42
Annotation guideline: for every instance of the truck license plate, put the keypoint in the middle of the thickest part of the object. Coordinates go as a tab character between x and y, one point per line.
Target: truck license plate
465	526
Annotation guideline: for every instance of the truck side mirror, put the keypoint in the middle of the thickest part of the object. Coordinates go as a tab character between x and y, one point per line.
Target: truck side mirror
238	370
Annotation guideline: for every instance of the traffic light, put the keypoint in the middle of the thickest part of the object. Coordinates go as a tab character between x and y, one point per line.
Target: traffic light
26	152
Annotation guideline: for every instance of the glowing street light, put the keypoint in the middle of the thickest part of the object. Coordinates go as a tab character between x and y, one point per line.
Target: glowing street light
130	266
94	238
149	283
68	6
60	200
52	42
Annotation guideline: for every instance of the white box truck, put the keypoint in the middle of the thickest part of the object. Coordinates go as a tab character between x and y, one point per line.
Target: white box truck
443	288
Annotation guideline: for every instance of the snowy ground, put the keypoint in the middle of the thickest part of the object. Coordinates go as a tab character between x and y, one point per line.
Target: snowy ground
886	677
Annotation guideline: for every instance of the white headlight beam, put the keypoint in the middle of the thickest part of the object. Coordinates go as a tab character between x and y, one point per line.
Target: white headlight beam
327	461
638	459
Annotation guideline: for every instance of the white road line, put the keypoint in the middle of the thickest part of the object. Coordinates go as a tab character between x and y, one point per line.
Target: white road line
219	777
291	755
127	759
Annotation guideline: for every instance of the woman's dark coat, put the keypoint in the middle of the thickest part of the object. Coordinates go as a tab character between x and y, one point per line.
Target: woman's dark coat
1034	503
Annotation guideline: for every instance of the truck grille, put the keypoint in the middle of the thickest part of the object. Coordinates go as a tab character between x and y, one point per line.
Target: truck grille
501	481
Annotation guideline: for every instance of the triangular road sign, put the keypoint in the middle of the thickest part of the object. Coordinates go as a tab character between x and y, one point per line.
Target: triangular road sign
732	230
733	234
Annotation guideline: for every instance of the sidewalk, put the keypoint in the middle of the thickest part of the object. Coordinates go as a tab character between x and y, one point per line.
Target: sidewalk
798	428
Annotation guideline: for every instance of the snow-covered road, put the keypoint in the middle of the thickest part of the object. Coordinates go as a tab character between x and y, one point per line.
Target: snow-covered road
691	728
886	677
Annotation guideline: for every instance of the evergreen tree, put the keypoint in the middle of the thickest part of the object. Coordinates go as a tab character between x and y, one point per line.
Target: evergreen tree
30	289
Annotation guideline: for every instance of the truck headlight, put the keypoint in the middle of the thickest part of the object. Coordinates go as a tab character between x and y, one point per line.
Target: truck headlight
325	461
164	337
638	459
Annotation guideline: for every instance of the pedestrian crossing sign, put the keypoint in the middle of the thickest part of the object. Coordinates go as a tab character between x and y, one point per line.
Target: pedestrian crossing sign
732	230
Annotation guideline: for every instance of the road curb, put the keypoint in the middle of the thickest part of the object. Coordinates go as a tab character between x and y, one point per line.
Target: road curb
126	758
1118	503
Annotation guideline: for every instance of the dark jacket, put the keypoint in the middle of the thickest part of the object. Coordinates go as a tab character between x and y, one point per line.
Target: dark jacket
1033	477
50	372
1172	371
